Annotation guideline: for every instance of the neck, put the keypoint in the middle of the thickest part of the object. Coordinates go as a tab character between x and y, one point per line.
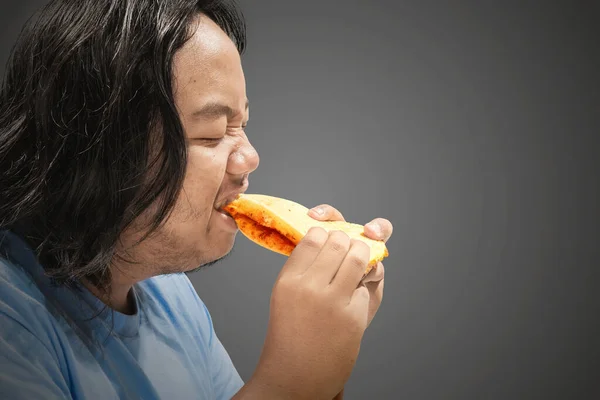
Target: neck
119	297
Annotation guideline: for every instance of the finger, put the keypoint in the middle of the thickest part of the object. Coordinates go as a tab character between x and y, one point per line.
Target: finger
305	253
379	229
353	267
325	212
375	297
360	303
331	256
375	275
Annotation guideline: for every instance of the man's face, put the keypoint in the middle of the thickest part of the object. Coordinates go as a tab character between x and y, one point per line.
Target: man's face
210	94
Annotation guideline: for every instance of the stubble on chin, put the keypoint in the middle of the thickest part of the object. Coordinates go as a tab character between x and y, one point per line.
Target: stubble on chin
163	252
208	264
168	257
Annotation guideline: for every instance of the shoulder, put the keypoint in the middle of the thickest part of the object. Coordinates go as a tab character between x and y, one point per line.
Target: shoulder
20	297
30	344
25	304
28	323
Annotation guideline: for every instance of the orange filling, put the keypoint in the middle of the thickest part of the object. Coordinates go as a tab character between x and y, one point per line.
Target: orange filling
264	236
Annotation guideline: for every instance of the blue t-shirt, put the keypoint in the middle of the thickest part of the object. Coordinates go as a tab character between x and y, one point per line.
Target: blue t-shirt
60	343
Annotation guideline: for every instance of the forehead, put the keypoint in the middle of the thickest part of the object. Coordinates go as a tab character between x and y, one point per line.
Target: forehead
208	68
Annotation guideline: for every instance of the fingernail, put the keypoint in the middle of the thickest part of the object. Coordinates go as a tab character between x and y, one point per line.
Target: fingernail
319	211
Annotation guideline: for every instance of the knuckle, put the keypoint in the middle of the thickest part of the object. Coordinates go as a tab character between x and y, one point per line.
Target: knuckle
309	290
297	287
358	320
360	246
315	237
364	293
312	230
340	241
357	261
311	242
317	232
285	284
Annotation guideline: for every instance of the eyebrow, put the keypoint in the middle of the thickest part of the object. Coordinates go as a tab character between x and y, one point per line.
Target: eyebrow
216	110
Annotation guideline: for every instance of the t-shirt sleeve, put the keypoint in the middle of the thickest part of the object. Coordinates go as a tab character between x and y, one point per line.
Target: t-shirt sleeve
226	380
27	368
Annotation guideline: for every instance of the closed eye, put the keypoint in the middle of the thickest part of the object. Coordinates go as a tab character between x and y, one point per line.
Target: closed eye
211	142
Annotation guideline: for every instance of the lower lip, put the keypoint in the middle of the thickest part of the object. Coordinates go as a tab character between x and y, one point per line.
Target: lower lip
226	218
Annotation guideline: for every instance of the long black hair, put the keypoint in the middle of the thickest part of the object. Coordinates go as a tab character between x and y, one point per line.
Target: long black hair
89	133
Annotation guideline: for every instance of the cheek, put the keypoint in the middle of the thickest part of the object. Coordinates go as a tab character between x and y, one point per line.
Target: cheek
205	172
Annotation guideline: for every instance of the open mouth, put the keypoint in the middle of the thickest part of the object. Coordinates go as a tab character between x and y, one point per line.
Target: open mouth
227	201
225	213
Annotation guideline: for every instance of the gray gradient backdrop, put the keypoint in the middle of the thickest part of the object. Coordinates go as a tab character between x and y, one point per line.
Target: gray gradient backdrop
471	126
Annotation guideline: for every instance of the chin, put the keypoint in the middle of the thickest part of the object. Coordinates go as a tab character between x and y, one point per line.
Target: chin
213	261
216	253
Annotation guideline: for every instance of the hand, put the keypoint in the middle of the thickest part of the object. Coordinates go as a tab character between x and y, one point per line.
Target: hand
377	229
318	314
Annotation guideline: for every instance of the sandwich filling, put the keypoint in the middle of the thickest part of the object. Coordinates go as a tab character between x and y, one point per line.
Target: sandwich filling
263	235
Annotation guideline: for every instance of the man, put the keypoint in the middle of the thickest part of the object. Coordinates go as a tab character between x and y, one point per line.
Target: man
121	137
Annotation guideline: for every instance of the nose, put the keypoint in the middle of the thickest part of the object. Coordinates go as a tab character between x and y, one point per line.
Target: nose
244	159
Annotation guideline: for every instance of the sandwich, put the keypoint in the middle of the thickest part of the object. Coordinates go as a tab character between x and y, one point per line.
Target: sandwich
279	225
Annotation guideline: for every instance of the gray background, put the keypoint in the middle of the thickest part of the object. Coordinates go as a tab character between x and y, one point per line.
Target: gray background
471	126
